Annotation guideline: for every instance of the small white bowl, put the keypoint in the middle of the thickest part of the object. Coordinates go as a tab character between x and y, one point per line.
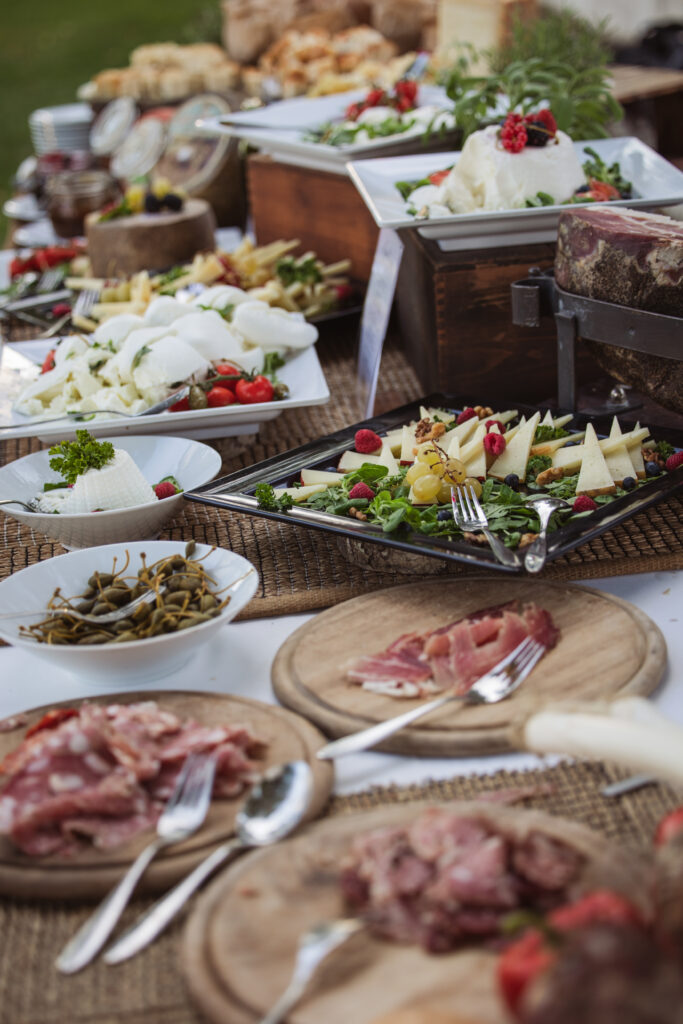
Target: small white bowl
119	665
190	462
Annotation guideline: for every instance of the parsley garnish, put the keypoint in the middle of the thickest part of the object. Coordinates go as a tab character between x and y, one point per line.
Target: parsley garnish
71	458
265	495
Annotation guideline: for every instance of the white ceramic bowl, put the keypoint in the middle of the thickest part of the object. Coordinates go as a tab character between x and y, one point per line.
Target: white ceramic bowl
190	462
119	665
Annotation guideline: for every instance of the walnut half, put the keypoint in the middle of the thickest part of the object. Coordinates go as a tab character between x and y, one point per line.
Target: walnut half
549	475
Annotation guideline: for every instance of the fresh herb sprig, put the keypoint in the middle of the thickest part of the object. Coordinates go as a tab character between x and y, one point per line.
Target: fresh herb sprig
597	169
71	458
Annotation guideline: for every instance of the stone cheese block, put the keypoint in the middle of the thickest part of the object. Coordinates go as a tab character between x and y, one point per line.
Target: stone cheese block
149	241
633	259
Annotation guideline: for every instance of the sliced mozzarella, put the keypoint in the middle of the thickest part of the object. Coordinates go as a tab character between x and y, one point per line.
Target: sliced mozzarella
273	329
214	339
117	329
70	348
164	311
169	361
220	295
119	369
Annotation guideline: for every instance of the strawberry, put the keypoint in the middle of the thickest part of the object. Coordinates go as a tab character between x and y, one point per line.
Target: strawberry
367	442
674	461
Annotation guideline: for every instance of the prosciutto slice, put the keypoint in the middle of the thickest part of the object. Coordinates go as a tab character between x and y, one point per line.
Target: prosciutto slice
454	656
96	775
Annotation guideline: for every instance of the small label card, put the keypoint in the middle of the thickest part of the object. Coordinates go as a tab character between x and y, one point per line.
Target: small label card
376	311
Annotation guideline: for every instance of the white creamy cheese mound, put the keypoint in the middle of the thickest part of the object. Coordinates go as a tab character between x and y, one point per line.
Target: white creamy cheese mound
487	177
118	484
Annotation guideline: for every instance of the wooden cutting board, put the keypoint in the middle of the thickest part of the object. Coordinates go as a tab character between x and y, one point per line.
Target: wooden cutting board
237	963
607	648
91	874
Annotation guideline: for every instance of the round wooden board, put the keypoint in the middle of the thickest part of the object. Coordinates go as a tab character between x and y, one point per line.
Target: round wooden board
91	874
240	941
608	648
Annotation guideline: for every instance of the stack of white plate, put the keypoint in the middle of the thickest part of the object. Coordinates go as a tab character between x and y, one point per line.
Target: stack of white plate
63	129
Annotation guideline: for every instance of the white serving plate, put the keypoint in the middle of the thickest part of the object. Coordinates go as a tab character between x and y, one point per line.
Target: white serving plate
302	373
119	666
190	462
310	113
656	183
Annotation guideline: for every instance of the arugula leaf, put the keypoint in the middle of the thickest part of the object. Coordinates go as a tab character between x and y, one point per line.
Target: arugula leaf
664	449
537	464
71	458
544	432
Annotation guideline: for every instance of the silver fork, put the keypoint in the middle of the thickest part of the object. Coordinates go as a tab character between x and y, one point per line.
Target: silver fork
85	302
183	814
469	515
78	417
496	685
314	946
49	281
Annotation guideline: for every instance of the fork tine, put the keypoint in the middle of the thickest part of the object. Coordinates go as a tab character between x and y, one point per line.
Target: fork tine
181	781
533	651
519	650
478	510
469	494
197	790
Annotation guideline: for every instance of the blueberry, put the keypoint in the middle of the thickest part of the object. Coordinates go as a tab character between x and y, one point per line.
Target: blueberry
152	204
581	189
652	469
172	201
444	515
512	480
628	483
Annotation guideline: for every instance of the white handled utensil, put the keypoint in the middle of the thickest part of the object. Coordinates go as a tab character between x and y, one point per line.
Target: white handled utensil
183	814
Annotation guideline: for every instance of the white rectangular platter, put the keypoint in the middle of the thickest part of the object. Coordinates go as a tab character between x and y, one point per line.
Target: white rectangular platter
656	182
20	363
305	113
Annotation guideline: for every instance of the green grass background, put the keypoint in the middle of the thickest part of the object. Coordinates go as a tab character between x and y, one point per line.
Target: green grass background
49	47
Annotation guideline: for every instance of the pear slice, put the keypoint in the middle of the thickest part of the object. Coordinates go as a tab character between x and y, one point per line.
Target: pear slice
516	454
298	494
594	476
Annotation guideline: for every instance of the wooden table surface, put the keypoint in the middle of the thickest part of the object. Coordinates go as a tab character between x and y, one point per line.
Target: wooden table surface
632	82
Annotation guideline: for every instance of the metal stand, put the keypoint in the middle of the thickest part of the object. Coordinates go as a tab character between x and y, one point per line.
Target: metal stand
578	317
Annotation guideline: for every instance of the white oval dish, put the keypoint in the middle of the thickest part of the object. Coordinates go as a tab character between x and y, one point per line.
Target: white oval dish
190	462
119	666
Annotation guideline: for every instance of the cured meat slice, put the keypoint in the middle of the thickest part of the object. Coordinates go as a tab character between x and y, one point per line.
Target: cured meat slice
100	774
448	877
453	656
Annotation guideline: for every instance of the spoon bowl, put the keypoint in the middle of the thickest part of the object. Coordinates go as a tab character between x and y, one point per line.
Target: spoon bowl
544	506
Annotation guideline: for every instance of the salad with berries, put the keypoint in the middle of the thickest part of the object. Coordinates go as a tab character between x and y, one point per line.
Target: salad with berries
403	481
383	113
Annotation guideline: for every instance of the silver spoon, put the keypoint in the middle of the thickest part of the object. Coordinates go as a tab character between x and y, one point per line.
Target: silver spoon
17	501
537	552
273	809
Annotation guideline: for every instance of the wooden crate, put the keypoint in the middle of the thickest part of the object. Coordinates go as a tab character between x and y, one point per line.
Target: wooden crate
322	209
456	321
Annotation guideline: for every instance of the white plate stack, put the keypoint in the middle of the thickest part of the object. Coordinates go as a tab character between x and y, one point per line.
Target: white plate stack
63	129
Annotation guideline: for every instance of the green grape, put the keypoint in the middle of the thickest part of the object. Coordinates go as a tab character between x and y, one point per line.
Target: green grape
426	487
471	481
455	471
416	470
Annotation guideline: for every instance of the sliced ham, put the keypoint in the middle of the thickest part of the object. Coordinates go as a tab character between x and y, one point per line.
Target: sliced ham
454	656
449	877
99	775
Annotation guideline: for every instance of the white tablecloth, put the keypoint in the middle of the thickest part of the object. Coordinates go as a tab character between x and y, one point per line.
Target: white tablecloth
238	661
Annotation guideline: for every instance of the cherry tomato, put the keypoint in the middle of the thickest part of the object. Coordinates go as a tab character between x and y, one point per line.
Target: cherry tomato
259	389
182	406
520	963
344	292
219	396
602	905
438	176
670	825
48	362
228	370
600	190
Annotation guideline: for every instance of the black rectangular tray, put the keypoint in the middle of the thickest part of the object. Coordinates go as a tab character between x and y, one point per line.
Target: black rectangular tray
236	491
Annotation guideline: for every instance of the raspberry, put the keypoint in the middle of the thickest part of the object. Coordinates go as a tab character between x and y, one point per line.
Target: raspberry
367	442
466	414
674	461
494	444
513	134
490	424
361	490
164	490
583	504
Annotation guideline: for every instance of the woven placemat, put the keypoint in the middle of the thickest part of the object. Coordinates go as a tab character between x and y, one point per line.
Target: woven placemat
150	989
304	570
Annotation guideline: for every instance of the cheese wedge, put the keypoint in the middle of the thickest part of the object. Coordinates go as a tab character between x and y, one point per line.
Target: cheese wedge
408	442
516	454
298	494
394	439
350	461
388	460
503	417
619	464
444	415
635	454
320	476
561	421
547	420
594	476
550	447
474	447
453	450
569	459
